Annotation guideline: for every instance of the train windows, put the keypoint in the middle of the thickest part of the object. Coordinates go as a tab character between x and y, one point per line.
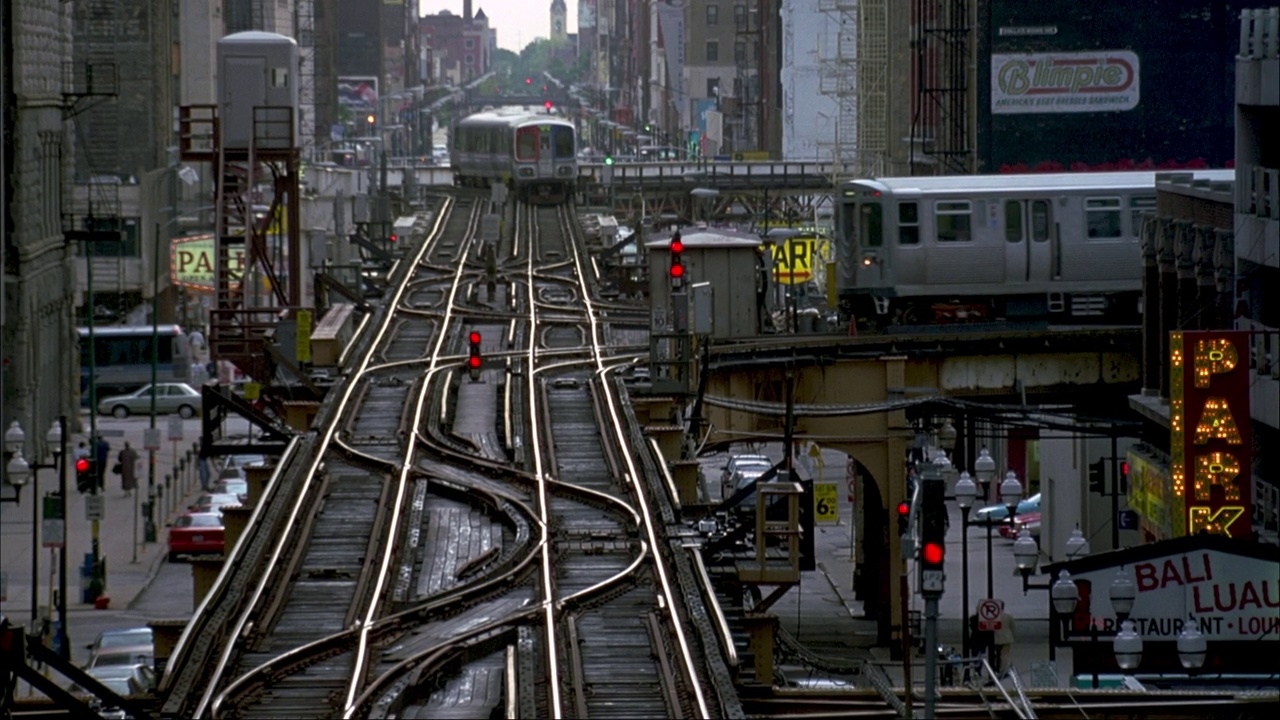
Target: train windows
1102	217
871	224
564	142
527	143
908	223
1040	220
1137	206
1013	221
953	220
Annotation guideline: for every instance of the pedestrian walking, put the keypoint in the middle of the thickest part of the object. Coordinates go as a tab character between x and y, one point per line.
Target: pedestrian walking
128	469
202	466
101	453
82	451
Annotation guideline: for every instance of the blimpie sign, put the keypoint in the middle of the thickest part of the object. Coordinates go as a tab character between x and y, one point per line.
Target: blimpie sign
1210	443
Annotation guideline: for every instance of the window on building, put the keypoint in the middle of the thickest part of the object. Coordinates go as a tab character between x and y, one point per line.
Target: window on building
469	43
471	59
713	51
739	52
1102	217
739	16
954	220
908	223
713	14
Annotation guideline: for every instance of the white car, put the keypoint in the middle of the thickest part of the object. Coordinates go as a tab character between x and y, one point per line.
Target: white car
740	471
175	397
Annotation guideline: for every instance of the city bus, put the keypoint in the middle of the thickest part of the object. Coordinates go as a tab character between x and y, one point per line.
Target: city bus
122	357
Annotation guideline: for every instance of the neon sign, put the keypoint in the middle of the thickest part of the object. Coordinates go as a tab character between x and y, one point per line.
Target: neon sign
1210	440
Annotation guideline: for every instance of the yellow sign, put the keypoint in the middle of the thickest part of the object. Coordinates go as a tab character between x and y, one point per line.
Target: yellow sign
304	336
192	262
252	391
793	260
826	499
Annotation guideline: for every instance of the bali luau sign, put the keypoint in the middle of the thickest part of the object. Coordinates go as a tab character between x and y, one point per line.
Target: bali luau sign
1210	437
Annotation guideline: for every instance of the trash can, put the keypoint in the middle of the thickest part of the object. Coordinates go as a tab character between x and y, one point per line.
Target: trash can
87	589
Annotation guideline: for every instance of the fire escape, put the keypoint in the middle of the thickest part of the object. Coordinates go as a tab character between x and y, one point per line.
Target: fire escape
837	78
940	137
257	263
872	87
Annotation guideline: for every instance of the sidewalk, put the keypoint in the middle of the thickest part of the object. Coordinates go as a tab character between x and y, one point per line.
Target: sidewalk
131	562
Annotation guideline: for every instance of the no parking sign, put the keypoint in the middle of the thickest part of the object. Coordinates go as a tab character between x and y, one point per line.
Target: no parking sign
989	612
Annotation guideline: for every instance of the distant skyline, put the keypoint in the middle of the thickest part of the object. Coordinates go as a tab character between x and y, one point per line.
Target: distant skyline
518	22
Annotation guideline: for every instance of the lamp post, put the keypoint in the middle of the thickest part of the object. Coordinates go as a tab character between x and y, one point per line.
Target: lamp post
17	471
966	491
984	470
1192	646
1010	495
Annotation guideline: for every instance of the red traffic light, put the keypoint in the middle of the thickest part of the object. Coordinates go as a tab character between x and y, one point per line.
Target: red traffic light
677	271
904	509
393	237
547	105
528	81
475	337
82	465
677	245
474	361
932	552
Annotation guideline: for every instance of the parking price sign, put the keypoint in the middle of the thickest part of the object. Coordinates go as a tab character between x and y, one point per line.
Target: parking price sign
826	508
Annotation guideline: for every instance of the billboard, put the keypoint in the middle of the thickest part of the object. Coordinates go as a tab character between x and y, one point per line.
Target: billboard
192	262
359	94
1210	435
1095	81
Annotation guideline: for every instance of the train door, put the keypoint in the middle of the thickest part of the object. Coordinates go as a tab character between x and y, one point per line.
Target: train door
546	156
1028	234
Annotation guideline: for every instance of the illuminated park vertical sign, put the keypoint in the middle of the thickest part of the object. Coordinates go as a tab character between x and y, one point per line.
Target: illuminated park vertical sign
1210	437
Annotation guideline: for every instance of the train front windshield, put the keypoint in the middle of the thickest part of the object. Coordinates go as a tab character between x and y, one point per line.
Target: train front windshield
563	141
863	224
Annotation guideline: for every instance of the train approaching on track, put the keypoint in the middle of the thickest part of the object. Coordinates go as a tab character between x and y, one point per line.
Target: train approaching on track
533	152
1063	248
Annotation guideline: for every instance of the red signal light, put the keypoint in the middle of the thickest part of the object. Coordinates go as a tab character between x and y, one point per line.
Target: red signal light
474	361
475	337
528	81
904	509
82	465
677	271
677	245
932	553
393	237
547	105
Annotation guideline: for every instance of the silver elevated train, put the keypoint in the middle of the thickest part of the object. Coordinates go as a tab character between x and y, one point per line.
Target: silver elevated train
1057	247
533	152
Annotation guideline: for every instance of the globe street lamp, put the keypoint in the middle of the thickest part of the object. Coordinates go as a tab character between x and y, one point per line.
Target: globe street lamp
984	470
1192	646
1077	545
1010	495
1128	646
966	491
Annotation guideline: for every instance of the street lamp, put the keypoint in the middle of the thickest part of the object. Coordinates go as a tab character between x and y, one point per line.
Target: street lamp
15	466
1123	592
1077	545
984	468
1010	495
966	491
1128	646
17	471
1192	646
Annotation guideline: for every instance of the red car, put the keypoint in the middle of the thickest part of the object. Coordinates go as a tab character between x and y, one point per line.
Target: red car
196	533
1029	521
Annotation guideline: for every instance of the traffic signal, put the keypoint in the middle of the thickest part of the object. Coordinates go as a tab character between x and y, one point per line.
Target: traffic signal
677	261
473	361
370	118
393	237
86	478
933	533
1098	476
608	159
547	105
528	81
1124	477
904	517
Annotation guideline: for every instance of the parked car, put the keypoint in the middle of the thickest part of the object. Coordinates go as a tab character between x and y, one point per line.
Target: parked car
213	502
740	470
232	486
196	534
993	514
125	646
178	398
125	680
1030	522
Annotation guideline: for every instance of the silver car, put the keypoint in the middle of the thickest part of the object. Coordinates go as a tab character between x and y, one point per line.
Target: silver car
170	398
741	470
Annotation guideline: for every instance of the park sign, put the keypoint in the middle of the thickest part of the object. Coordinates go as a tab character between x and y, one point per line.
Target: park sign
193	262
1210	440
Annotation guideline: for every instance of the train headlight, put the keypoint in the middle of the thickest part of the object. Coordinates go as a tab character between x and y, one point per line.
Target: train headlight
869	259
526	172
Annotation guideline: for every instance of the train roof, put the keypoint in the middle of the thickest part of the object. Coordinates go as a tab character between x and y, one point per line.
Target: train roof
1033	182
512	117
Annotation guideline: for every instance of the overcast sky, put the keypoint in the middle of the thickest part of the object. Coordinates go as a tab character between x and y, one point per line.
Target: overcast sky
518	22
